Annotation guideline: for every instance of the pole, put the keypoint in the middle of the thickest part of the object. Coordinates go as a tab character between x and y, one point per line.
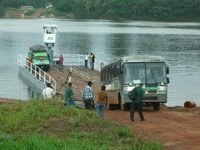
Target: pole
70	75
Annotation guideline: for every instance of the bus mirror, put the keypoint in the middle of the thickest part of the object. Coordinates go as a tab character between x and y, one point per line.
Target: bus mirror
167	70
168	80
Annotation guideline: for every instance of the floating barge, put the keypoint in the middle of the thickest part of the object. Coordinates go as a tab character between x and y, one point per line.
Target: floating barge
60	77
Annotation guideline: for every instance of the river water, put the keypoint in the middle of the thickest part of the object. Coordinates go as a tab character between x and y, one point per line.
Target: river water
178	43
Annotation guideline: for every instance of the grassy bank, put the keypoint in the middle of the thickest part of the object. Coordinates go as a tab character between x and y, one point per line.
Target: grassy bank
49	125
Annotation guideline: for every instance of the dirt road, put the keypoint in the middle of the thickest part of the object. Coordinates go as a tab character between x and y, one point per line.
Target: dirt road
176	128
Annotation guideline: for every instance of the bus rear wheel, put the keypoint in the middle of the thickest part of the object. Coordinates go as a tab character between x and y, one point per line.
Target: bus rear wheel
108	106
156	106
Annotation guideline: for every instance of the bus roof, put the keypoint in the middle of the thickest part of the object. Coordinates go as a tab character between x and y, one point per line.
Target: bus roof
142	58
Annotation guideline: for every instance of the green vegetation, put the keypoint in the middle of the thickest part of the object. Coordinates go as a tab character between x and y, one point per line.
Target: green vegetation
48	124
162	10
2	12
30	12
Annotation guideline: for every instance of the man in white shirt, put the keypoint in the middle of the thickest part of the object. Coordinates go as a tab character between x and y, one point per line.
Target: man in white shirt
86	60
48	92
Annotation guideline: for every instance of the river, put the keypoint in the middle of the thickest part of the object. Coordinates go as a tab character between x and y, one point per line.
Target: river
178	43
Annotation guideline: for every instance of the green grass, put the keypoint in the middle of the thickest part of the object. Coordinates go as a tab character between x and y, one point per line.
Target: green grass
49	125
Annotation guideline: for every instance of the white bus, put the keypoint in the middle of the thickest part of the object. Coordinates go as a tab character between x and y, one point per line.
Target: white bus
123	75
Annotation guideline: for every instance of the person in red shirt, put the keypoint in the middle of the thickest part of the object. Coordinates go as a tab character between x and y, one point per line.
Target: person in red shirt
61	60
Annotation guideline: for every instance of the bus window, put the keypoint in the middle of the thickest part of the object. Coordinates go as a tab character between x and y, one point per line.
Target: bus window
106	74
115	71
155	72
109	73
112	72
134	71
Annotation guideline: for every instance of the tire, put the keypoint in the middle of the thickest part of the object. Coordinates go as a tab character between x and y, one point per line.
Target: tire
47	68
156	106
108	107
122	106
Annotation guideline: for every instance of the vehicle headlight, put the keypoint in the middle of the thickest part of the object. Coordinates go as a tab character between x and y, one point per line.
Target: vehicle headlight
162	89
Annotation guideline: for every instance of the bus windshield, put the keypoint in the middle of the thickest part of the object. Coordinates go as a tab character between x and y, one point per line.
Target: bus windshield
148	72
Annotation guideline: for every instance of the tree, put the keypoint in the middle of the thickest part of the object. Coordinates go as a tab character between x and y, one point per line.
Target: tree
2	12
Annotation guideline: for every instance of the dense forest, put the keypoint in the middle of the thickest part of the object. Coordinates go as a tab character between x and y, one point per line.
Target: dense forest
162	10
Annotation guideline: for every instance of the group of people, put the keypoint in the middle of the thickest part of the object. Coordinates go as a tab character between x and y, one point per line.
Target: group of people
88	98
89	58
99	105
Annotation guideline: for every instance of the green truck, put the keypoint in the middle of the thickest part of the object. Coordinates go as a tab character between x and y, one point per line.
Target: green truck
39	56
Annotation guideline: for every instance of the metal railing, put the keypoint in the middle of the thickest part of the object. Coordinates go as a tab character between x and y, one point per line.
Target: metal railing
73	60
34	70
78	60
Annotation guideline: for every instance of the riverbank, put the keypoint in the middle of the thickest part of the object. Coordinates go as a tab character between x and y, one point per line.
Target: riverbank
27	14
177	128
48	124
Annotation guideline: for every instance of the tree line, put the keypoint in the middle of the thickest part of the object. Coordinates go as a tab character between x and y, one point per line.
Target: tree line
159	10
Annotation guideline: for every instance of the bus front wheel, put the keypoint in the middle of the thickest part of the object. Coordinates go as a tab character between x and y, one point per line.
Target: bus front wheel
123	106
156	106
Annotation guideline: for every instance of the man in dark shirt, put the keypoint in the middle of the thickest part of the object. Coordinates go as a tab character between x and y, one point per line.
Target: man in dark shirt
68	95
136	104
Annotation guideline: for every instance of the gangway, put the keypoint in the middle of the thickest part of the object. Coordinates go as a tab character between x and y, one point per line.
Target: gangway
34	74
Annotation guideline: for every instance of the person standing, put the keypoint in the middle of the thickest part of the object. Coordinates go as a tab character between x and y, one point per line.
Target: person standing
101	101
88	96
86	59
92	60
61	60
48	92
136	103
68	95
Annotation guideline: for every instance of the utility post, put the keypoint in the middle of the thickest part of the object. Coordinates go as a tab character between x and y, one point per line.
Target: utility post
49	39
70	75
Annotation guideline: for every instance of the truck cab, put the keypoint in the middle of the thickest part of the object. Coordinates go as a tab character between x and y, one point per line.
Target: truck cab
39	57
